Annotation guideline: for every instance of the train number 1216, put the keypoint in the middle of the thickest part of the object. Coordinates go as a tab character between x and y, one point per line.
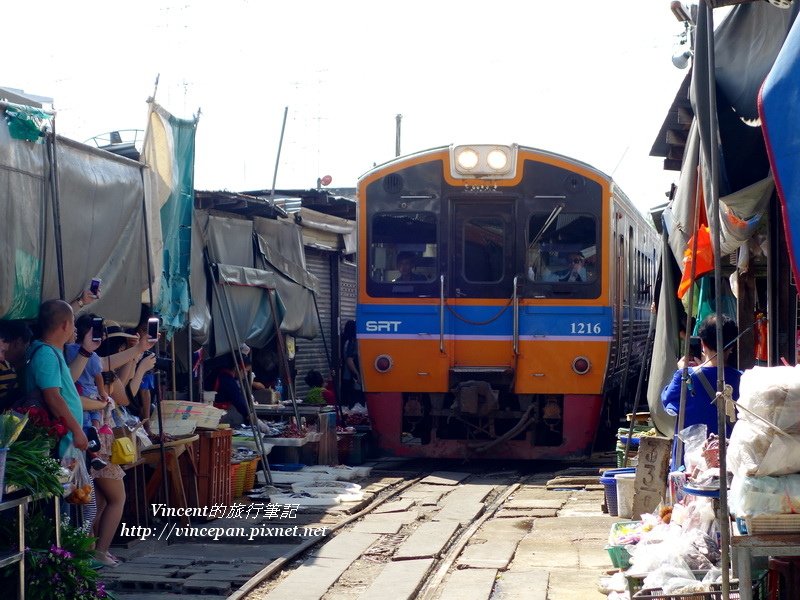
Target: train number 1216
585	328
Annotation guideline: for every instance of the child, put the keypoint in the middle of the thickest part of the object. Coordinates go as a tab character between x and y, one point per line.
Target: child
319	392
91	388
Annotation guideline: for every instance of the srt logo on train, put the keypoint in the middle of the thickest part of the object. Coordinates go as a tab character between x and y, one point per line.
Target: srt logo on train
383	326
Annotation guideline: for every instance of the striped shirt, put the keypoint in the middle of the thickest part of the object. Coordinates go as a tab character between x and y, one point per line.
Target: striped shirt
8	384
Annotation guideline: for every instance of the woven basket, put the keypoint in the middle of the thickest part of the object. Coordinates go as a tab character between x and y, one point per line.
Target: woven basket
789	523
250	473
238	473
205	415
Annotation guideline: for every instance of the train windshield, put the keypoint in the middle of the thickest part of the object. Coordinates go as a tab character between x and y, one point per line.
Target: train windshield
562	248
403	250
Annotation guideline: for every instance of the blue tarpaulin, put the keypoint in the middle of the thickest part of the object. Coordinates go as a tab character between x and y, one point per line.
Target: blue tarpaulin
779	109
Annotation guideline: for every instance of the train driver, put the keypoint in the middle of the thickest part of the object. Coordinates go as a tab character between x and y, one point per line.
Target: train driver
406	261
575	270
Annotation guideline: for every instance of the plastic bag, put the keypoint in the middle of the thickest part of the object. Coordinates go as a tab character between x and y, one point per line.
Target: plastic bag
750	496
79	486
694	439
772	393
661	547
755	449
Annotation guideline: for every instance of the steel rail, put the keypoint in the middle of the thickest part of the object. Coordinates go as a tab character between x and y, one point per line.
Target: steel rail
277	564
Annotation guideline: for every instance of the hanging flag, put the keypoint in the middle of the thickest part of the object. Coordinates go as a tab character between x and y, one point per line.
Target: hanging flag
780	115
169	191
703	260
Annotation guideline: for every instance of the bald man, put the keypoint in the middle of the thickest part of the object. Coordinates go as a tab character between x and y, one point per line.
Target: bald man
48	372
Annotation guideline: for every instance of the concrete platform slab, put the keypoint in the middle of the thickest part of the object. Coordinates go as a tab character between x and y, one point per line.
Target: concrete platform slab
517	502
593	555
346	546
568	584
380	526
445	478
494	544
531	513
462	513
426	497
582	527
427	541
310	582
522	585
396	506
475	584
534	553
398	580
408	516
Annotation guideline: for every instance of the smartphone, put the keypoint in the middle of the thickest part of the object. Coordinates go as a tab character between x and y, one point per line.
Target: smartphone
152	329
97	329
695	347
94	287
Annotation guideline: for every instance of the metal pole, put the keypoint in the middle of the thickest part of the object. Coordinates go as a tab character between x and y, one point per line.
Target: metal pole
685	374
397	119
174	375
724	519
278	158
159	391
648	351
53	152
225	310
189	370
282	356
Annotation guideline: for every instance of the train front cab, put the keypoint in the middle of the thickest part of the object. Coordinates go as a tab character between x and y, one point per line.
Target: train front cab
485	345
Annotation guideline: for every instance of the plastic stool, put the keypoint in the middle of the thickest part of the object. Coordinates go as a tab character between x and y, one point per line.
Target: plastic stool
783	579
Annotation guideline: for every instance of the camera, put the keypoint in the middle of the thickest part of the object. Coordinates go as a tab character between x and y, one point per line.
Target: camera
162	362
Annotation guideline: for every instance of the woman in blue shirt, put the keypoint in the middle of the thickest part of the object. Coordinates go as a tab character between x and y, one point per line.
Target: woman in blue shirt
699	408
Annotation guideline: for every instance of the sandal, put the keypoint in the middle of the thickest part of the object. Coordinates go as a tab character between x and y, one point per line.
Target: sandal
105	559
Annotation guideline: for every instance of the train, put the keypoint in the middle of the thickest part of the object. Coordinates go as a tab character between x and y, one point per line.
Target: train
504	297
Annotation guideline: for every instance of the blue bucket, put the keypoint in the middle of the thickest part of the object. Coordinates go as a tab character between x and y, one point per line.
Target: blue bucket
609	483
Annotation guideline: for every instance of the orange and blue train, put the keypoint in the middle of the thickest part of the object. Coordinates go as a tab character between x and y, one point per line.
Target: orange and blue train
504	297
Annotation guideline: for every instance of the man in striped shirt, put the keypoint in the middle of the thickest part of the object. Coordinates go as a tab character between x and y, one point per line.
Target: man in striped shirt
15	337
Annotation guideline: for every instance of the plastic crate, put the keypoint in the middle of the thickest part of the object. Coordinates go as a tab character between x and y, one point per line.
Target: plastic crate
633	456
759	592
214	467
620	557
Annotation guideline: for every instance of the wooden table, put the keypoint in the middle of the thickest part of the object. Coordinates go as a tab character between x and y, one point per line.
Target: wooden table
745	547
173	451
304	410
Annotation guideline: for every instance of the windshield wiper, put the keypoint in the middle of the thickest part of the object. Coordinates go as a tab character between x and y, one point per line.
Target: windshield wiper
550	219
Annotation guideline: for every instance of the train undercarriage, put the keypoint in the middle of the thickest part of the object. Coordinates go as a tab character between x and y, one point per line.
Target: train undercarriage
477	420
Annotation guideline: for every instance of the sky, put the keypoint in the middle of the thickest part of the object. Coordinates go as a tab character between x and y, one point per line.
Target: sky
586	78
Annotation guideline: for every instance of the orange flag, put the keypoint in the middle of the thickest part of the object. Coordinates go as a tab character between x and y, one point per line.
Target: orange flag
704	259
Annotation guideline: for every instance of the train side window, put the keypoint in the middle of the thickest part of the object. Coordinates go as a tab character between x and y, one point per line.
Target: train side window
562	249
403	249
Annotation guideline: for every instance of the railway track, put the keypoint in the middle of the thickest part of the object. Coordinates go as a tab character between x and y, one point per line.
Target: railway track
429	537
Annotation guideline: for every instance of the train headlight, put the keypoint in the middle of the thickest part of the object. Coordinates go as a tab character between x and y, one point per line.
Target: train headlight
497	159
467	159
383	363
476	161
581	365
